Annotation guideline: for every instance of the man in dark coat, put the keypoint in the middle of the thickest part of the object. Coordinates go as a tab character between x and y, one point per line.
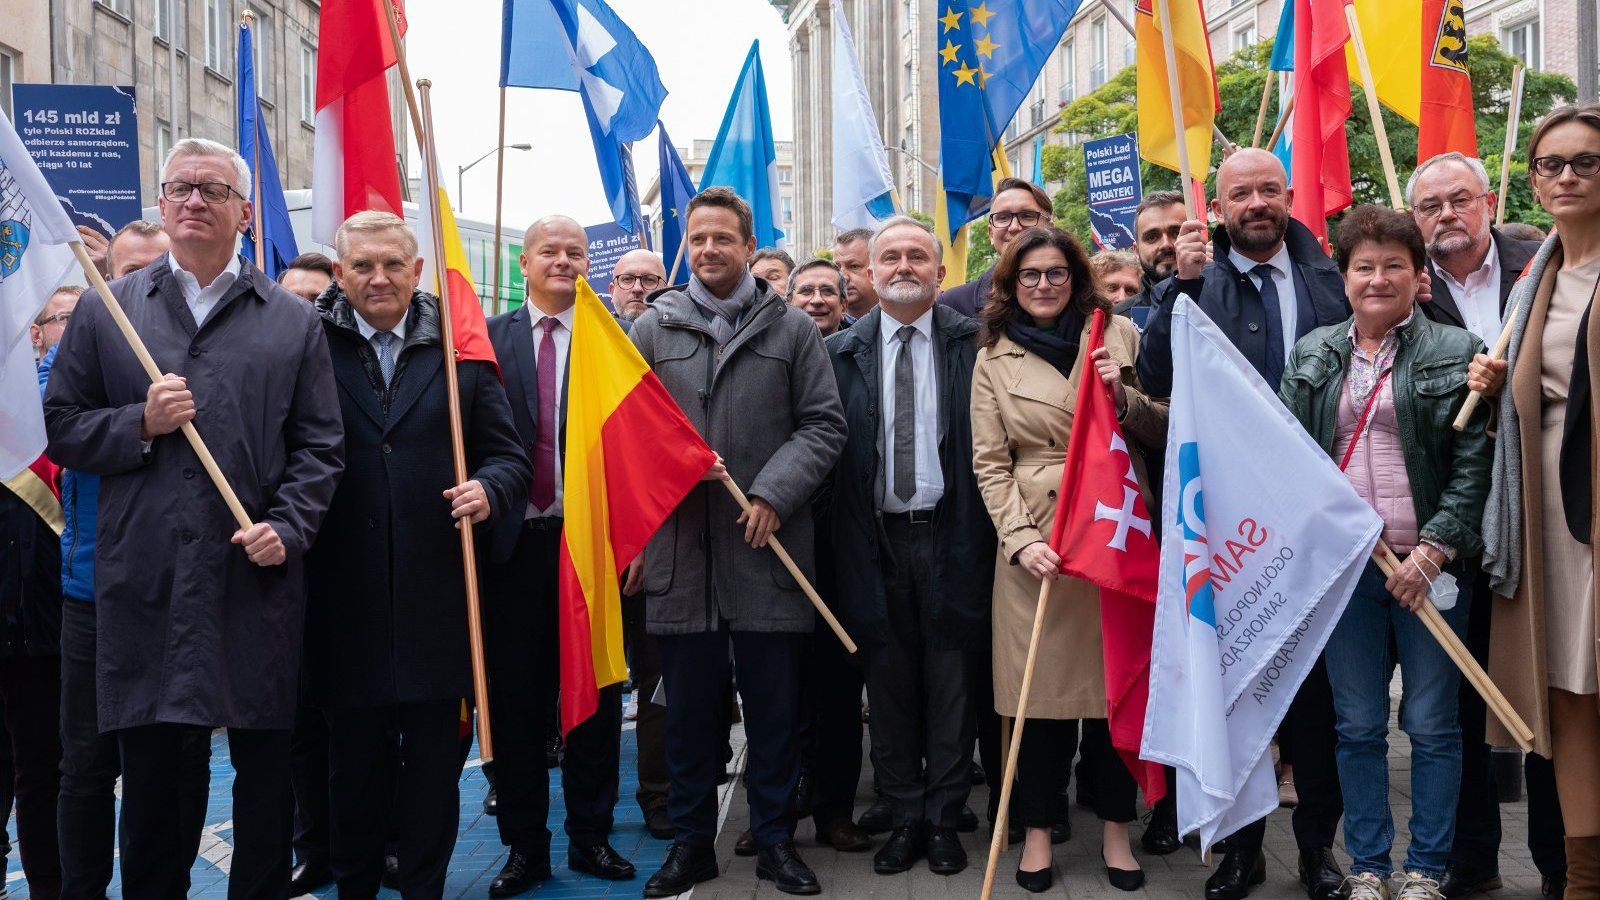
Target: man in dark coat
913	543
1018	205
1473	267
521	593
200	623
1265	281
386	637
751	374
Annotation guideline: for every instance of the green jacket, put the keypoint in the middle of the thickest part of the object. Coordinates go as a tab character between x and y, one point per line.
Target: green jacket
1448	469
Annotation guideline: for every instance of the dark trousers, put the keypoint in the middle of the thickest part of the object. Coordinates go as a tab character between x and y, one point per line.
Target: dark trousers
308	772
830	724
363	772
1043	763
1308	730
161	833
922	723
521	640
1478	808
650	731
31	689
980	693
695	667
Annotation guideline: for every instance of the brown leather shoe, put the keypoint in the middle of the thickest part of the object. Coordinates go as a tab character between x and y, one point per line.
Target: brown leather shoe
843	835
745	845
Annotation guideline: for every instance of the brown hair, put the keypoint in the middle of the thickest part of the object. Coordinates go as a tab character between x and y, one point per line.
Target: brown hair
1040	198
1107	261
1002	306
1371	224
310	262
724	198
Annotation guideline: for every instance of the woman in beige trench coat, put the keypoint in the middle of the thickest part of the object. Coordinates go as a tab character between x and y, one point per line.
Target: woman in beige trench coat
1025	384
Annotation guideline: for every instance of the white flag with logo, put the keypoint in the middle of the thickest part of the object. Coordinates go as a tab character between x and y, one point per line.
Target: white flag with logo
1264	541
34	232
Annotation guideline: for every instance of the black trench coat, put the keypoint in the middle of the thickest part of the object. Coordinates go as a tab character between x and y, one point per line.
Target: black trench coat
190	631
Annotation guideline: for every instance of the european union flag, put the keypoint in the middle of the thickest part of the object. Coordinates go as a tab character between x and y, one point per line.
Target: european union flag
990	54
271	210
677	189
743	157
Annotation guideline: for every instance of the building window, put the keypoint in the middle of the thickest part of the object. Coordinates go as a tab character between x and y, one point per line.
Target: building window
216	35
164	20
786	176
8	74
910	78
787	205
308	83
1130	50
120	7
1244	37
1069	70
163	145
1522	41
1097	53
261	44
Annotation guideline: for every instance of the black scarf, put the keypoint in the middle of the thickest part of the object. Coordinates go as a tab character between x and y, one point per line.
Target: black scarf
1576	466
1059	349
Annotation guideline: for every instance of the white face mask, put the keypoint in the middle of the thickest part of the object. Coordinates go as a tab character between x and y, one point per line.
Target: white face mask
1443	591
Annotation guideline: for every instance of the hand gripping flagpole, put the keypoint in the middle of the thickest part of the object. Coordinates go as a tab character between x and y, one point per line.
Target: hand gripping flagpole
997	842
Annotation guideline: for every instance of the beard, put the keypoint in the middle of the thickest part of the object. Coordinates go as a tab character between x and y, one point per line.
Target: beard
1446	244
1164	264
1245	236
905	292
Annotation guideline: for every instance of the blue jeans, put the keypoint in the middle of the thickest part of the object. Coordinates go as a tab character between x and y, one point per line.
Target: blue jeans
1360	666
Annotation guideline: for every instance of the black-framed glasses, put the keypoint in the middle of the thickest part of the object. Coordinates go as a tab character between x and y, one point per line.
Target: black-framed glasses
210	191
1056	275
1432	209
61	317
1584	165
826	290
1027	218
646	281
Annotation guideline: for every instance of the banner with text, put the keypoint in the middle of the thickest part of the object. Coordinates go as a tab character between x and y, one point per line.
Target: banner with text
607	243
1111	168
85	139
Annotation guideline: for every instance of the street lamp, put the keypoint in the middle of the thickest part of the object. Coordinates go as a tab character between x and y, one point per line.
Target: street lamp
461	203
914	158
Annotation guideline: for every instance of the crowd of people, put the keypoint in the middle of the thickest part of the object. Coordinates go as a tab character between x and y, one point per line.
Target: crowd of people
908	446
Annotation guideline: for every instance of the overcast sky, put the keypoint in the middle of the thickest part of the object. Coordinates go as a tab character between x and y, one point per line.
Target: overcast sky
698	46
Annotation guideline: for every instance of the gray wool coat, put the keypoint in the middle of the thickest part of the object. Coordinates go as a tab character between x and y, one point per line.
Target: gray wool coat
767	401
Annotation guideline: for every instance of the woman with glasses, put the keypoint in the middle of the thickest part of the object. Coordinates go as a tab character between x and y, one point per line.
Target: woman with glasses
1540	529
1024	387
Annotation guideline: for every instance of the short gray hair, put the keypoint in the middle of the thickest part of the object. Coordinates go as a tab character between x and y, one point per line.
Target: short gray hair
900	221
202	147
370	221
1454	156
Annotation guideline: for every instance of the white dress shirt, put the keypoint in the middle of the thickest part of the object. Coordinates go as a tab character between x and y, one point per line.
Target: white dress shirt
1283	277
371	333
930	477
202	300
1479	298
562	336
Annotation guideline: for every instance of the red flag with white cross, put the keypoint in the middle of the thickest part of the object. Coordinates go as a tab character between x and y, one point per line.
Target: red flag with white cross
1104	535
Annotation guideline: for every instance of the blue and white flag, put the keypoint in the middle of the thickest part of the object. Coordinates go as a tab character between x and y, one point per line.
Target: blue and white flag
677	189
270	209
34	258
743	157
1283	63
1265	540
863	188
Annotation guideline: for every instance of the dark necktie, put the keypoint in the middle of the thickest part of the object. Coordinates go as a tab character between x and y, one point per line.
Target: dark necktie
905	419
385	341
1272	307
543	493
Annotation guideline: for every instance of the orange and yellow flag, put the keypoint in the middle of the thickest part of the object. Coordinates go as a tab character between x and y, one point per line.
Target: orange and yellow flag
1197	82
469	329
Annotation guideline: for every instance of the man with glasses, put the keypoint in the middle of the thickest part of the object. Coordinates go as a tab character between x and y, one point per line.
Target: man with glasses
1473	267
637	275
818	288
48	326
1017	206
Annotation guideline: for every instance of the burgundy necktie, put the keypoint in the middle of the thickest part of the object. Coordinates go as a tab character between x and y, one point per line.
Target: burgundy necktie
543	493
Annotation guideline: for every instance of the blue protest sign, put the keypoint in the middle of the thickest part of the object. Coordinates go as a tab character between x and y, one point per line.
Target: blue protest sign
607	243
85	139
1111	167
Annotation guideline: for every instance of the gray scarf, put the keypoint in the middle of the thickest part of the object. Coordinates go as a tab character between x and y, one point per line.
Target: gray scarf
1502	517
724	315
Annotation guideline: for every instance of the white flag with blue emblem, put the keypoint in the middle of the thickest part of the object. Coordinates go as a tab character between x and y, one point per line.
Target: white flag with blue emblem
862	184
1264	540
34	258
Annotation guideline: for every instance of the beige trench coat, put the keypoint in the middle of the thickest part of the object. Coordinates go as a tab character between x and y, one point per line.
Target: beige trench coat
1021	416
1517	660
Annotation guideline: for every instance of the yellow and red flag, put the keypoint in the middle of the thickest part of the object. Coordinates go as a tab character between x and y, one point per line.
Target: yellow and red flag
631	456
1392	31
468	327
1447	121
1197	84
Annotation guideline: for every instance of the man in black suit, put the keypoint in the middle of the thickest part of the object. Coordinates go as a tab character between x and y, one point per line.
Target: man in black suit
1263	278
1473	266
1018	205
386	632
521	590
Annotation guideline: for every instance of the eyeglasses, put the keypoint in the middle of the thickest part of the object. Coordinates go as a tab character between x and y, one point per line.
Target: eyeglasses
1584	165
1432	209
61	317
648	282
826	290
1057	275
210	191
1026	218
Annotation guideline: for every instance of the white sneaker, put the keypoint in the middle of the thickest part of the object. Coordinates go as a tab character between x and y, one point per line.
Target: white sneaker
1364	886
1419	887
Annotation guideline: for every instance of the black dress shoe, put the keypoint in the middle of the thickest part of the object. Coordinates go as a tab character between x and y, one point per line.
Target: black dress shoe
1239	870
976	775
1320	873
946	856
552	753
745	845
659	823
391	871
1161	833
1122	879
491	802
1461	879
805	795
967	822
1061	832
684	867
878	818
1036	882
522	872
781	864
600	861
1551	887
901	851
305	878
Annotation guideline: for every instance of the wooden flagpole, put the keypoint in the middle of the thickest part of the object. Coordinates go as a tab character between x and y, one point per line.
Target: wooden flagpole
1175	92
458	449
246	18
499	198
1513	114
1498	351
683	241
1285	110
1379	130
997	841
1261	114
